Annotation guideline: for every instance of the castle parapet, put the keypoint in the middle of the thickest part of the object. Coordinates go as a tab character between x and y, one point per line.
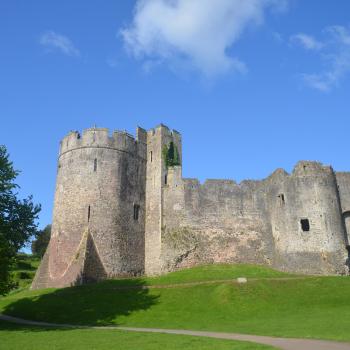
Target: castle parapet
161	128
100	138
96	136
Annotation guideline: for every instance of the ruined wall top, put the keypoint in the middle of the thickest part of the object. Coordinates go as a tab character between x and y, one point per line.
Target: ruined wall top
311	168
301	169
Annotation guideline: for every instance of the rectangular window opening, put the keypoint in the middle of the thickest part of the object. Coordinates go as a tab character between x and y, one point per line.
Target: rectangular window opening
151	156
165	179
136	211
95	164
305	225
89	210
281	198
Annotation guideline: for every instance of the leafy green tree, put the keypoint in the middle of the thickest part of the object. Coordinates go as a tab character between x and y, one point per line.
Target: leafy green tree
7	254
171	155
41	242
17	220
176	156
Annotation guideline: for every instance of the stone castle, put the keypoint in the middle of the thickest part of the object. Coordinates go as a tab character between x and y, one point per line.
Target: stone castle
122	208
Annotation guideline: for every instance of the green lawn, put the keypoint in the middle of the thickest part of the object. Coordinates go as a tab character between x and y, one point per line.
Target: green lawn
14	337
214	272
314	307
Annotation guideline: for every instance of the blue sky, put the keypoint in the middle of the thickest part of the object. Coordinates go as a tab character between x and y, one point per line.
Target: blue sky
252	85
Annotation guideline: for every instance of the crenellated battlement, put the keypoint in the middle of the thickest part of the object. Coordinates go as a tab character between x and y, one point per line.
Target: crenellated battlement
161	128
101	138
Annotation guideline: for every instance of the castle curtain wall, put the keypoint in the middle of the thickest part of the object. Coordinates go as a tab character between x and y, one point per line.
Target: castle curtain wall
123	209
256	221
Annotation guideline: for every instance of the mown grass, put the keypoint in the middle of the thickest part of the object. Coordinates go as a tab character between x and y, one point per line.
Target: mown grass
211	273
311	307
14	337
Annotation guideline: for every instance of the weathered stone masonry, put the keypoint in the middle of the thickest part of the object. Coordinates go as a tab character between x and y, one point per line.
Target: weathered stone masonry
121	211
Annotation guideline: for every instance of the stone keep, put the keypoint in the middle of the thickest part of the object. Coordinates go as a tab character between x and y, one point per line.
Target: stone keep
121	210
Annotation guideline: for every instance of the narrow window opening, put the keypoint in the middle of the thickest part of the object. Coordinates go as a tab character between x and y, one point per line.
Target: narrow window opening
95	164
166	179
305	225
94	137
136	211
89	210
151	156
281	198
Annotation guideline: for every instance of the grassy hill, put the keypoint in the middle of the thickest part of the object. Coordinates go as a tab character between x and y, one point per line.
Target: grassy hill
24	269
271	303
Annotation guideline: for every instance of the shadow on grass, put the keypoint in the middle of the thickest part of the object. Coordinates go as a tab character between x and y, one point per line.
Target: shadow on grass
6	326
93	304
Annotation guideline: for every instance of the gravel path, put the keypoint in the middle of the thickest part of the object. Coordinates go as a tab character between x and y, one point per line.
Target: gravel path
281	343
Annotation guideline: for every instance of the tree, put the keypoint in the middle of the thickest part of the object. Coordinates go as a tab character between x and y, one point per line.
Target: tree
17	220
41	242
176	156
6	260
171	155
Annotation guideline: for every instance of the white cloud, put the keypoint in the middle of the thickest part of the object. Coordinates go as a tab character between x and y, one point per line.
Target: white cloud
58	42
317	81
307	41
195	33
340	33
338	69
335	54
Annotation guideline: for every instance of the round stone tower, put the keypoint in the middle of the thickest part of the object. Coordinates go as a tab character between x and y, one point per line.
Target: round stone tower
306	220
98	218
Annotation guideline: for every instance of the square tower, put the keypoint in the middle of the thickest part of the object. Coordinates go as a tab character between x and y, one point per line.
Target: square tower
163	147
